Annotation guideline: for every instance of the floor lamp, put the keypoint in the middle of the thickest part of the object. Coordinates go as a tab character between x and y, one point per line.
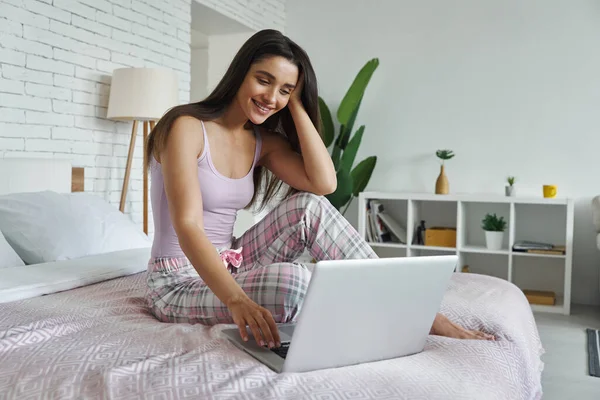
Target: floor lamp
141	95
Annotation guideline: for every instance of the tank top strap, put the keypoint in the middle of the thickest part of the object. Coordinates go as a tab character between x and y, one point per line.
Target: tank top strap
206	147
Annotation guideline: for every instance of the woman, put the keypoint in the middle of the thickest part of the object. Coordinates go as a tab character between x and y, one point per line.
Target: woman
255	131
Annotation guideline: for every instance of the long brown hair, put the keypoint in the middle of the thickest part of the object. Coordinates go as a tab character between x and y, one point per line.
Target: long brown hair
261	45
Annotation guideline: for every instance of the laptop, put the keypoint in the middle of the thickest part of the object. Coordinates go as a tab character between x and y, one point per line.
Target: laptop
358	311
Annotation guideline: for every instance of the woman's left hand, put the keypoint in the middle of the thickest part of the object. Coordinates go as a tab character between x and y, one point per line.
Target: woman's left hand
442	326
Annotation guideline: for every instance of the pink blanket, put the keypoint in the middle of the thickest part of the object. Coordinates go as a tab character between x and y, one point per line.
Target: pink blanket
100	341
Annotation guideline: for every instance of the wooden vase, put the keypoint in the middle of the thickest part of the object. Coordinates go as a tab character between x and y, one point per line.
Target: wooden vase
441	184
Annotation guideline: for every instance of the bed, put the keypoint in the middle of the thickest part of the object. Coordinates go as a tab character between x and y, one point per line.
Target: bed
78	327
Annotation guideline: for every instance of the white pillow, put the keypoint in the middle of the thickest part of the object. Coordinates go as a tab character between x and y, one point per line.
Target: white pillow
49	226
8	257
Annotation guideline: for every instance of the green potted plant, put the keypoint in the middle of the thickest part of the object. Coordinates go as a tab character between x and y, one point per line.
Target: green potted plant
351	179
509	190
441	184
494	227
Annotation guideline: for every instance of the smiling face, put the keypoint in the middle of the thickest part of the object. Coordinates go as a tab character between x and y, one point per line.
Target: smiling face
267	88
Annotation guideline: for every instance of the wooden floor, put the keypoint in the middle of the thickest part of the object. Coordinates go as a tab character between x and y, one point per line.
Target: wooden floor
565	375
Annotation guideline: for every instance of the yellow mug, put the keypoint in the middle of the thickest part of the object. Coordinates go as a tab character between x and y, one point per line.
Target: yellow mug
550	191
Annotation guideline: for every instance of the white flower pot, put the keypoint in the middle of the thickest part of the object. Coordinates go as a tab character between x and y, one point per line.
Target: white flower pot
493	240
509	191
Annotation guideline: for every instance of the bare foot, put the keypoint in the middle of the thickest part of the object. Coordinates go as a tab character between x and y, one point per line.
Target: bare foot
442	326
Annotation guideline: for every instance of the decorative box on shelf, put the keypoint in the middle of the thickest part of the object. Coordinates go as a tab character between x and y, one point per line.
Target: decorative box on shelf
540	297
531	221
440	236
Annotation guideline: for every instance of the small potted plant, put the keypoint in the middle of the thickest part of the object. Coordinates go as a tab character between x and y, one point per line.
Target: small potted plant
494	227
510	188
441	184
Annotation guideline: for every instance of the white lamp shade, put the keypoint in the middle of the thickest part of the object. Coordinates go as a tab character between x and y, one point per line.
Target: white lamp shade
142	94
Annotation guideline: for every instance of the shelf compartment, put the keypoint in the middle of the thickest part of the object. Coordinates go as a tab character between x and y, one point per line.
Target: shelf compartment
397	209
540	273
434	213
471	214
540	223
485	264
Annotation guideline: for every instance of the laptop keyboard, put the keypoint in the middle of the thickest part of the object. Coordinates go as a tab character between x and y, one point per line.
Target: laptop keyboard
281	351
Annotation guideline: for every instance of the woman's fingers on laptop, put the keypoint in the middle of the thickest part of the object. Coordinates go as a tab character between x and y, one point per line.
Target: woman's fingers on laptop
273	327
268	328
258	319
241	324
254	327
265	329
243	313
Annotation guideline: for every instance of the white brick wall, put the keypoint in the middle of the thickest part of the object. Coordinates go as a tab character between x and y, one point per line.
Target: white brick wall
56	59
257	14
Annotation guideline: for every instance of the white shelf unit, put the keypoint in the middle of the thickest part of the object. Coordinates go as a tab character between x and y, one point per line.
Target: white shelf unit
534	219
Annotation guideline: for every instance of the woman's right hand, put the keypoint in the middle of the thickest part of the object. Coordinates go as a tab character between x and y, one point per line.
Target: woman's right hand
246	312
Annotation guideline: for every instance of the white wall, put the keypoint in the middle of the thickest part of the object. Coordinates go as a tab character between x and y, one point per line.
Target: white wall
256	14
511	86
199	74
221	50
211	59
199	65
56	61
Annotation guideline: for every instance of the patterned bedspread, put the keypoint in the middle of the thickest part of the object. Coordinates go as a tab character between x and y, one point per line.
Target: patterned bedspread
100	342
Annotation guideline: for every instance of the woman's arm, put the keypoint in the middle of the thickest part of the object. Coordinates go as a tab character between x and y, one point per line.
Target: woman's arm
180	171
313	171
317	161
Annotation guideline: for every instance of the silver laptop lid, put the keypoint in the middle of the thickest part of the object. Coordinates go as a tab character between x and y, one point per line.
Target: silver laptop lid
366	310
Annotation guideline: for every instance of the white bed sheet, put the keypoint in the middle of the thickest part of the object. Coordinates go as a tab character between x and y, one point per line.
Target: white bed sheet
34	280
101	342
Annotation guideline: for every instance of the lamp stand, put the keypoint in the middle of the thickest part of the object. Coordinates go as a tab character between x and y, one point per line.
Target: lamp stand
148	125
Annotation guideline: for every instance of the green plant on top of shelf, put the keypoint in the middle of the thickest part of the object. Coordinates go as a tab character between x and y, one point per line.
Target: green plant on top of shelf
444	155
493	223
509	190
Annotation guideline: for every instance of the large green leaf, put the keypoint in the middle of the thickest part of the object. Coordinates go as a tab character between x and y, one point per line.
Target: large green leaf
343	192
347	131
326	123
350	152
362	173
356	91
337	150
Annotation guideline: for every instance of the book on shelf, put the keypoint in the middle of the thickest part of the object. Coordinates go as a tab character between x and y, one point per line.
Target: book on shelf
526	246
370	226
381	226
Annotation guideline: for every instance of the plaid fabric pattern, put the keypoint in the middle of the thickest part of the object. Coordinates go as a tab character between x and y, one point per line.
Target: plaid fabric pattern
176	293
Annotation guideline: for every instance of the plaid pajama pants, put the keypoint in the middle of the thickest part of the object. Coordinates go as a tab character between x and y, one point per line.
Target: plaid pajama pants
176	293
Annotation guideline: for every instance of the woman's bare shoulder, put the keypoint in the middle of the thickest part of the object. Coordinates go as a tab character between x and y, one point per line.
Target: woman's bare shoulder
186	132
186	123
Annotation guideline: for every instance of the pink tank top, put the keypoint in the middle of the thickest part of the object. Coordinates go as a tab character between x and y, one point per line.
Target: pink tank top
222	198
